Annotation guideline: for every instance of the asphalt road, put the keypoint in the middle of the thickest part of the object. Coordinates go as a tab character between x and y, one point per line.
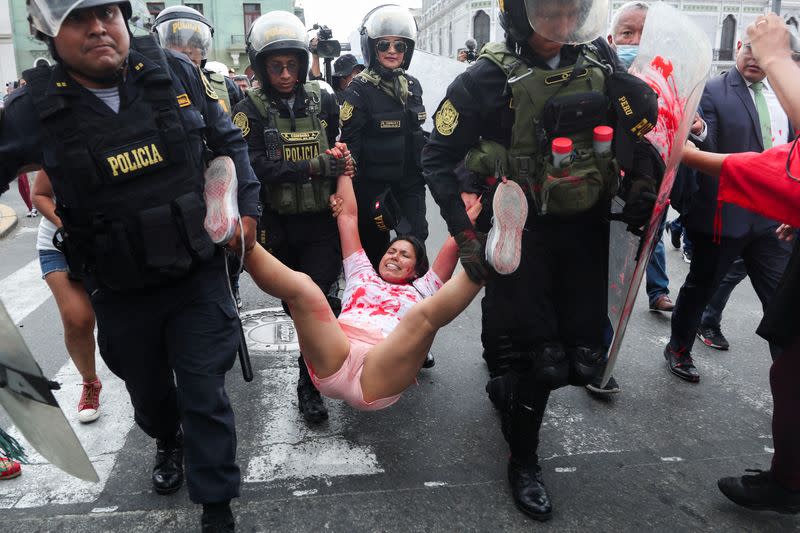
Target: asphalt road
648	460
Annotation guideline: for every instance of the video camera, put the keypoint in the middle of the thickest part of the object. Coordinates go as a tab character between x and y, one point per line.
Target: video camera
472	54
327	47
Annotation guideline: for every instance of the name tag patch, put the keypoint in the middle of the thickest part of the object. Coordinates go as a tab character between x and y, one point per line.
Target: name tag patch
300	151
564	76
299	136
183	100
390	124
132	160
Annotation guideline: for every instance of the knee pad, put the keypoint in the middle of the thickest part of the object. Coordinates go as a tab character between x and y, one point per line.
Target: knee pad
501	391
550	366
585	364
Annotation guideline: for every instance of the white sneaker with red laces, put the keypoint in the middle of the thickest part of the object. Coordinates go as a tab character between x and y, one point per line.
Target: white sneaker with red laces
504	242
222	205
89	404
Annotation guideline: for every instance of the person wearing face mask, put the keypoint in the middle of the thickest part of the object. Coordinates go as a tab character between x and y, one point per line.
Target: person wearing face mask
382	117
288	124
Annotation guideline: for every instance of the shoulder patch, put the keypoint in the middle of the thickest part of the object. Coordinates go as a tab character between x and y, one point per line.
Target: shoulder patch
210	92
446	118
242	122
347	111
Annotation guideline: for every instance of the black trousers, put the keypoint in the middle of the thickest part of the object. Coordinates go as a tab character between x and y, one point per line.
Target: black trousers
765	258
412	207
558	294
172	346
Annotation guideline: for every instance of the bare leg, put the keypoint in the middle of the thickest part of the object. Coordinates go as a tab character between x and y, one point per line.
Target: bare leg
78	319
392	365
322	341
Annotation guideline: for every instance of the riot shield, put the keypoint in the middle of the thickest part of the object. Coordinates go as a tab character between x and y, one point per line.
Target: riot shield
26	396
674	59
435	73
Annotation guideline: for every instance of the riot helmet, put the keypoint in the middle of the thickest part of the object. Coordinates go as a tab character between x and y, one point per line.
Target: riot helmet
562	21
386	21
277	32
186	30
47	16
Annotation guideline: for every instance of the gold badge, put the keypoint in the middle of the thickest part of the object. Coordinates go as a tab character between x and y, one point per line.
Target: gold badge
446	119
183	100
324	124
240	120
347	111
210	92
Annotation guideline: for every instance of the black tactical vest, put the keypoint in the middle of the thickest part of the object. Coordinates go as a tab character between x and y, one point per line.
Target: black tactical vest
130	189
393	137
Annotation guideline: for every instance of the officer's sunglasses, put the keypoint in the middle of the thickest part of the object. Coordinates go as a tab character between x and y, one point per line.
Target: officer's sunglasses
277	69
399	46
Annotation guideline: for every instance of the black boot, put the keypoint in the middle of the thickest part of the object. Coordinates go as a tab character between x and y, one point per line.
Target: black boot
217	518
522	433
308	398
528	490
168	468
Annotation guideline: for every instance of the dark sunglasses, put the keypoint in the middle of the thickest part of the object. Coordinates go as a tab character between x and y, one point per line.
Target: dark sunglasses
277	68
399	46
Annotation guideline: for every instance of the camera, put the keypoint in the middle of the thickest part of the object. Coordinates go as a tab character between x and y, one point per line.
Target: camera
327	46
471	45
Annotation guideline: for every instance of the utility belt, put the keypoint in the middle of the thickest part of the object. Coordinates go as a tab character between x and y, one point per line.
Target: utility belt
312	196
570	190
145	249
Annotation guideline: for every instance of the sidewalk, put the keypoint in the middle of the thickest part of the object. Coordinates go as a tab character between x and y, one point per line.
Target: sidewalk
8	220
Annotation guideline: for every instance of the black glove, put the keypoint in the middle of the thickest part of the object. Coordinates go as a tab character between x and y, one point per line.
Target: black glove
472	253
639	202
327	166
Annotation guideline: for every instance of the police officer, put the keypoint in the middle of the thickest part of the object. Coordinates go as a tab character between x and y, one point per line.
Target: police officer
288	124
186	30
502	114
382	115
121	128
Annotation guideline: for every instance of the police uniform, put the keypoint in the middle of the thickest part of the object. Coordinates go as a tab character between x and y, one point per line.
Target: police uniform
553	308
130	194
297	226
385	138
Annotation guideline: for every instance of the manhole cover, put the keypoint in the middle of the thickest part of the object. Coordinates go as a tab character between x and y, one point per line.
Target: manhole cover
269	330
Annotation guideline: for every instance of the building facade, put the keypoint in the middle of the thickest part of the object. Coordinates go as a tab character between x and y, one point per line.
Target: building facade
445	25
8	64
230	19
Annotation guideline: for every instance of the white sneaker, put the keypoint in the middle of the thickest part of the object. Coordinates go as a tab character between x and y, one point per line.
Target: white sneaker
504	242
222	205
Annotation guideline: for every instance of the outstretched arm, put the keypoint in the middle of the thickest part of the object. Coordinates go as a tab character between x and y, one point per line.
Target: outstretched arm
446	260
344	202
706	162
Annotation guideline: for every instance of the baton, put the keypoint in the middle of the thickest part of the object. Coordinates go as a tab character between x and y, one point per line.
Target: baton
244	355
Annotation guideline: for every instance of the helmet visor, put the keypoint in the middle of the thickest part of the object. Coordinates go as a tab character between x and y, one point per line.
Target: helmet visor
391	21
568	21
271	30
189	36
47	16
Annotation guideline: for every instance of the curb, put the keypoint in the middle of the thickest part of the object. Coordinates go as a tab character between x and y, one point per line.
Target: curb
8	220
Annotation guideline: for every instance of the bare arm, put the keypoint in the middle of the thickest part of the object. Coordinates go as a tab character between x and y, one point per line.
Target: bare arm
706	162
446	260
43	198
347	218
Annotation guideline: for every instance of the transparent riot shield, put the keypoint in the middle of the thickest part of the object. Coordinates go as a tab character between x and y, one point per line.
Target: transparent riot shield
674	59
435	73
26	396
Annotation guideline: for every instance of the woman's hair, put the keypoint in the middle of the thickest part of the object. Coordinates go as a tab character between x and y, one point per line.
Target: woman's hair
422	265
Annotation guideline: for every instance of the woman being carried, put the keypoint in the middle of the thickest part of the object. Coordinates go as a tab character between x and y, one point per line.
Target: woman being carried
389	318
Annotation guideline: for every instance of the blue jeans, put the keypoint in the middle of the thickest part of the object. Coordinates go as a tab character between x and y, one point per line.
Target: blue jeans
657	280
676	226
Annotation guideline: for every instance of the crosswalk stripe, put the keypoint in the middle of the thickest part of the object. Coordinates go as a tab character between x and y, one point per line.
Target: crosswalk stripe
24	291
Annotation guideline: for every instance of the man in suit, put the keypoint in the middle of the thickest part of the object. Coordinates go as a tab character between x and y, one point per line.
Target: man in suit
742	114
